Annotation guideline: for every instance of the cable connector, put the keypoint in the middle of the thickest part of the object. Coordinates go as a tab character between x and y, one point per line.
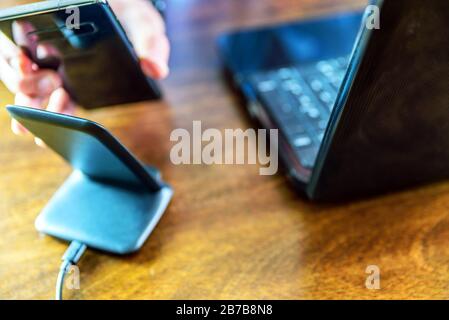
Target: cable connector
71	257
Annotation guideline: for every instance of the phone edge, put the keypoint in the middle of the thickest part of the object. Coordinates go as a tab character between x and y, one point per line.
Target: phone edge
95	130
30	9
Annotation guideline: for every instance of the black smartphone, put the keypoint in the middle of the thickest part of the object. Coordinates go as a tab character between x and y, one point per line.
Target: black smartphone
84	42
111	201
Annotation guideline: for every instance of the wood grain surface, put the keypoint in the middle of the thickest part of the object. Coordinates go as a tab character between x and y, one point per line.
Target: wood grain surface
229	233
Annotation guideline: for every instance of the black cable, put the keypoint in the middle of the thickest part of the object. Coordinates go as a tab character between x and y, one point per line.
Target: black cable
71	257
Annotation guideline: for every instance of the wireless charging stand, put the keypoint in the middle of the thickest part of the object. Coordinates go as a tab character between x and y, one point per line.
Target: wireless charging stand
106	216
110	201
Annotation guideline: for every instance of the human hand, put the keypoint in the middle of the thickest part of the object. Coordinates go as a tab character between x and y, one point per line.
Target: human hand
32	86
43	88
146	30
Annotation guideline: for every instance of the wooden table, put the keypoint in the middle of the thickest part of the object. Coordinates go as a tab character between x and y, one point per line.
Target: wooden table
229	233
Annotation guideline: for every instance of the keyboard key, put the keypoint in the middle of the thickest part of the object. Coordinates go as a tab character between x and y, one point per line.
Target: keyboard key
322	124
292	86
334	63
307	156
297	90
313	113
266	86
341	75
305	101
285	73
295	129
302	141
326	97
325	67
316	85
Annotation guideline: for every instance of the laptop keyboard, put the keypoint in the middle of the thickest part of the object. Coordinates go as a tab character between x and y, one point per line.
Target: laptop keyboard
301	100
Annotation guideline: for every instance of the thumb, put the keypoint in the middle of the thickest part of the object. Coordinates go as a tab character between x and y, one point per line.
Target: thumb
22	64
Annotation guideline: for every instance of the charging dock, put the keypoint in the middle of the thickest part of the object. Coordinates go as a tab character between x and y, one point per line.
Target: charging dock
111	201
105	216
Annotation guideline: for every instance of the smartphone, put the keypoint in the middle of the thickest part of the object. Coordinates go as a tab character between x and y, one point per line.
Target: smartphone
111	201
84	42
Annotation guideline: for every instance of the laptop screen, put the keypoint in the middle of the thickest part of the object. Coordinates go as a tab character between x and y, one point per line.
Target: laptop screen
391	122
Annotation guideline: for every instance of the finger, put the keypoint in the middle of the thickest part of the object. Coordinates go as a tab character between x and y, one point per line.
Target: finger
22	64
45	50
40	83
154	55
146	30
31	102
14	69
17	128
153	69
49	56
141	14
24	36
8	48
9	76
60	102
40	143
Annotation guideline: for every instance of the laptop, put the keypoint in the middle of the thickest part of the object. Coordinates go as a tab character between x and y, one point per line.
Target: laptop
362	109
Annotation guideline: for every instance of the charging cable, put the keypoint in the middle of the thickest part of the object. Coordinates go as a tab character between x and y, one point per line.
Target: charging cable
71	257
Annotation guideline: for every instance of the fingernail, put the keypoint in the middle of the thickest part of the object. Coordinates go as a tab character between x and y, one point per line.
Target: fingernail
162	66
156	69
146	66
